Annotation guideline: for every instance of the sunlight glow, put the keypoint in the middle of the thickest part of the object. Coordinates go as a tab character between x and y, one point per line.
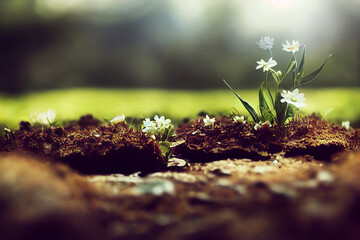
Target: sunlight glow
282	3
60	6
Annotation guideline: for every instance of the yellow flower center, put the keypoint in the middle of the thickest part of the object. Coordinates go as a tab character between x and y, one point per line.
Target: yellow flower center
294	100
292	48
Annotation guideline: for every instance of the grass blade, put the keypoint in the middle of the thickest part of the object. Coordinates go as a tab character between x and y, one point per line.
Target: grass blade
247	106
301	66
311	77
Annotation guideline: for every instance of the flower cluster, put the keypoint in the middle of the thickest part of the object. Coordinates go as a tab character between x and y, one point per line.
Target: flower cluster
159	127
44	118
277	104
240	119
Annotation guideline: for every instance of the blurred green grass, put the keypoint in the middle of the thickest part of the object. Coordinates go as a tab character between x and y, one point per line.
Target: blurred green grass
70	104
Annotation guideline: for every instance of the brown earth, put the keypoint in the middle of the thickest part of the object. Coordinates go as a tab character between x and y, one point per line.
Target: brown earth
89	147
290	198
291	194
305	136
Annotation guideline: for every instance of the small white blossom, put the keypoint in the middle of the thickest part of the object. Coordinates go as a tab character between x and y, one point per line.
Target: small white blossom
346	124
50	115
44	118
209	121
266	123
260	124
239	119
257	126
293	47
158	126
266	65
149	126
294	98
162	123
266	42
148	123
118	119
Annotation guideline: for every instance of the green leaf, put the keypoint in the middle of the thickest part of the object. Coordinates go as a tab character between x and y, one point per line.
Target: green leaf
280	109
301	66
289	68
266	115
165	148
290	111
275	76
268	89
311	77
247	106
262	100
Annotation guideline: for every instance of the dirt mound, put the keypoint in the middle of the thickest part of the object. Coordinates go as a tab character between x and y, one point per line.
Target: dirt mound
89	147
285	198
227	139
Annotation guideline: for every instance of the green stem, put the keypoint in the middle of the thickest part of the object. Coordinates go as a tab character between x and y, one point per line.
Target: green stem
295	72
268	89
270	52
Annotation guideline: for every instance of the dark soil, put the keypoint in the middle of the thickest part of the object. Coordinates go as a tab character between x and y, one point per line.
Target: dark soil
46	191
307	136
89	147
292	198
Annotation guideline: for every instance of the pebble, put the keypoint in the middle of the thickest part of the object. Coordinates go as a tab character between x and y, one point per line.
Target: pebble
283	190
156	187
305	184
182	177
263	169
325	176
176	162
47	148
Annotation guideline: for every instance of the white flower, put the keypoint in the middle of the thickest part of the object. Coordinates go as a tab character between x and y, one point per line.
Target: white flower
148	123
257	126
266	43
162	123
266	123
266	65
260	124
295	98
209	121
44	118
239	119
50	115
149	126
118	119
158	126
293	47
346	124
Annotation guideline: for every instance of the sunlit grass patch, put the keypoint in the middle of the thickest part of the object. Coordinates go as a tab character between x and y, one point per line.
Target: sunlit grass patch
174	104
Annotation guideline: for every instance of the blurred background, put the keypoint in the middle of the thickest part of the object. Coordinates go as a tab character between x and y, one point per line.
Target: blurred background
186	44
49	49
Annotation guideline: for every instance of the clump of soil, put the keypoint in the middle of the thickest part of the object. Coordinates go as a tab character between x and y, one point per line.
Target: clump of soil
305	136
290	198
43	200
89	147
285	196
